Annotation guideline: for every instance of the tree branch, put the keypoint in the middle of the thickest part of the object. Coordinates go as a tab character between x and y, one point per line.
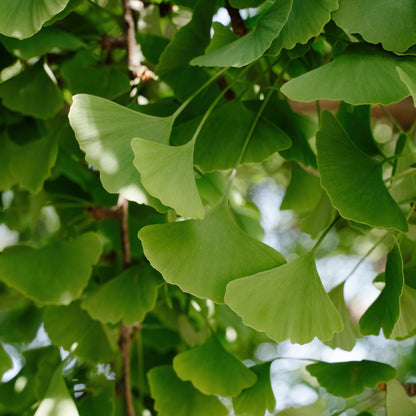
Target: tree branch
237	23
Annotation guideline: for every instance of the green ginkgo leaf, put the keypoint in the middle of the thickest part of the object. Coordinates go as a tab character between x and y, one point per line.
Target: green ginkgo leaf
212	370
23	18
397	401
253	45
315	409
174	397
347	338
127	297
350	378
244	4
371	70
222	138
303	192
287	302
319	218
104	131
73	329
385	310
31	172
353	180
57	400
258	398
167	173
409	82
406	324
5	361
356	122
48	40
202	256
391	22
305	21
8	150
55	274
25	91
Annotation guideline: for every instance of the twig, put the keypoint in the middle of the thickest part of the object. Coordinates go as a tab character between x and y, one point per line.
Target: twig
237	23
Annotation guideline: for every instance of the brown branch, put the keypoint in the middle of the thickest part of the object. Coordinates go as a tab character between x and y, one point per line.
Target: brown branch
130	32
109	43
237	23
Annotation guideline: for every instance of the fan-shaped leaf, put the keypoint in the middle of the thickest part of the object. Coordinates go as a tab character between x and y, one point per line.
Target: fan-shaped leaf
287	302
256	399
173	397
55	274
49	39
303	192
21	19
25	91
104	131
73	329
212	370
397	401
202	256
167	173
353	180
347	338
305	21
391	22
406	325
369	69
385	310
252	46
352	377
57	400
127	297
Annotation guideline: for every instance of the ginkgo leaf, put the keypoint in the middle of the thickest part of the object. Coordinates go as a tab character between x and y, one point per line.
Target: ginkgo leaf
391	22
222	138
253	45
371	70
57	400
350	378
409	82
127	297
305	21
202	256
25	91
347	338
5	361
174	397
23	18
406	325
167	173
319	218
8	151
31	172
258	398
356	122
73	329
397	401
287	302
212	370
385	310
55	274
104	131
303	192
49	39
353	180
190	40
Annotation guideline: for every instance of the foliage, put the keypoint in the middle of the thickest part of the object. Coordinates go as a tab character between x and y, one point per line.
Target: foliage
133	278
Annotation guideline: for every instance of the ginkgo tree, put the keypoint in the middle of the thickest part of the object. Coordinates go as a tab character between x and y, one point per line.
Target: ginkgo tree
131	133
